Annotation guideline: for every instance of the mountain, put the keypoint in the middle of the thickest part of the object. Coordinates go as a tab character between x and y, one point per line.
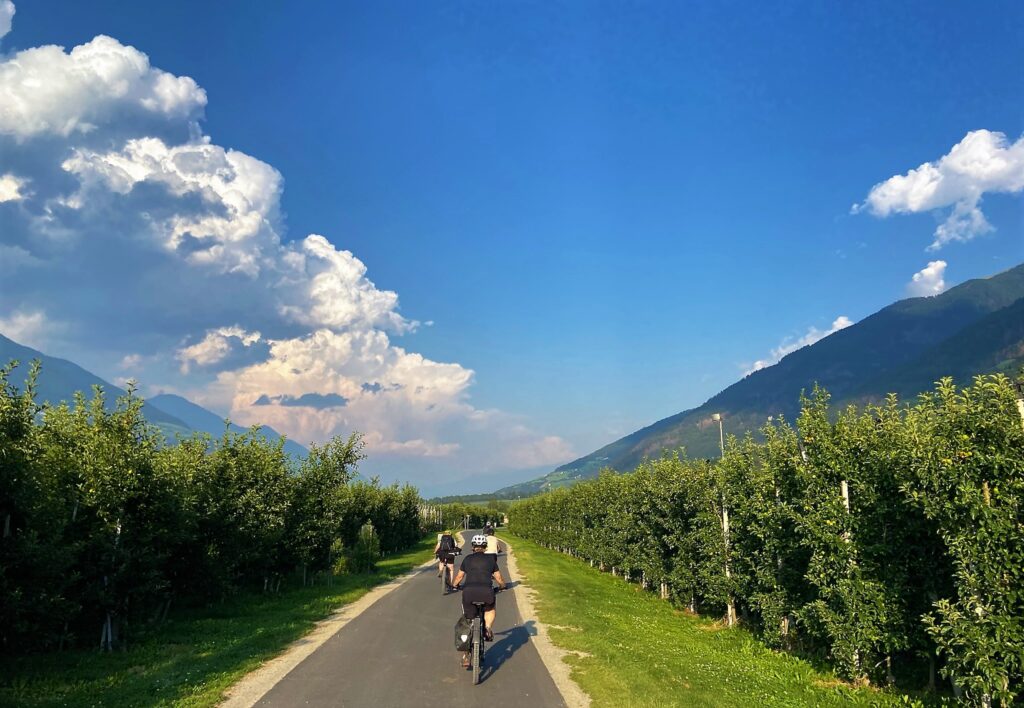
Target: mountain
59	379
973	328
199	419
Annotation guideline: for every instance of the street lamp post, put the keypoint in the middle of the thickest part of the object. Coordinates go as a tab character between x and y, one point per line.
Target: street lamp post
717	417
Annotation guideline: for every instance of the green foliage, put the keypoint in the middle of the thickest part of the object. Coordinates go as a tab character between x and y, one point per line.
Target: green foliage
626	648
104	524
366	551
192	659
867	538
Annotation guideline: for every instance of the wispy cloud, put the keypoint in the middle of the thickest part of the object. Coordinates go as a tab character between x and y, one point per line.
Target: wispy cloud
31	328
791	344
6	16
983	162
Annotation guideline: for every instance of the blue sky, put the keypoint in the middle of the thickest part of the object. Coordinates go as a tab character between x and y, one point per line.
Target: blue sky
606	212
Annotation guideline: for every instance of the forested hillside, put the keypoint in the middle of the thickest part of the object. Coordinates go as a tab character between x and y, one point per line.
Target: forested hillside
59	380
976	327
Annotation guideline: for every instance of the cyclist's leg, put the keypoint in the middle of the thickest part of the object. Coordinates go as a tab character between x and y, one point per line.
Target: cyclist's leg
469	611
489	616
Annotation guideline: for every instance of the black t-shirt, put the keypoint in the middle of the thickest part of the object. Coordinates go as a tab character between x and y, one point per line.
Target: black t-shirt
479	567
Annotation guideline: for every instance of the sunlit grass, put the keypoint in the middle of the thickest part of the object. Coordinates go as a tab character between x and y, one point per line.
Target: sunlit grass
197	654
634	649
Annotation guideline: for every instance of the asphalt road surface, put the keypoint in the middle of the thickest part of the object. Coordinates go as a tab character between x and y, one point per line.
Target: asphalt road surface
401	652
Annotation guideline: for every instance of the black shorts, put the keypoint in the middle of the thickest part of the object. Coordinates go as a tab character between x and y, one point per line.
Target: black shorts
476	593
448	557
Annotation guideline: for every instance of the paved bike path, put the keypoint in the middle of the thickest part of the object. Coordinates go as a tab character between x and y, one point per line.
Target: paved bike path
401	652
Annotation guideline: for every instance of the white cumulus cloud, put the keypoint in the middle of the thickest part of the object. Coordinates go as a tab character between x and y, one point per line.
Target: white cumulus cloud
10	188
930	280
790	345
983	162
47	90
215	346
170	254
241	194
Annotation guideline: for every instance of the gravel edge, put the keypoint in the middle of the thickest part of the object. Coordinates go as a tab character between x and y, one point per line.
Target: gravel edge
551	655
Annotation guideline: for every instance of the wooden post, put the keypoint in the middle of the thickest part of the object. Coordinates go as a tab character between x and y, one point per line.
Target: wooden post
730	606
844	489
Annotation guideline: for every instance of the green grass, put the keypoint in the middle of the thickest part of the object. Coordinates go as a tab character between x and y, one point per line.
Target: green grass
197	655
637	650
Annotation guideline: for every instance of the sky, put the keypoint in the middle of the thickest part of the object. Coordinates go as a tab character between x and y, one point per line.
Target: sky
491	236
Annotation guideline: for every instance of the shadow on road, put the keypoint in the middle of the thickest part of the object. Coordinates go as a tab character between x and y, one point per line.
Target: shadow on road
503	649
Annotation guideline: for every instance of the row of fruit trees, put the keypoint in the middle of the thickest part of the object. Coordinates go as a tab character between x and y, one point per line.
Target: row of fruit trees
886	539
105	524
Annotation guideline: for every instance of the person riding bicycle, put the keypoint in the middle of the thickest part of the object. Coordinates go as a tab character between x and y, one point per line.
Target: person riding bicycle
445	551
493	547
475	575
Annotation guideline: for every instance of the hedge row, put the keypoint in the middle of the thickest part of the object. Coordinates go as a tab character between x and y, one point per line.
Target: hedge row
104	524
891	534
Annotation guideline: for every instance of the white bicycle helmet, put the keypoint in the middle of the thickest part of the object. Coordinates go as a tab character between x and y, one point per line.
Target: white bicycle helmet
479	540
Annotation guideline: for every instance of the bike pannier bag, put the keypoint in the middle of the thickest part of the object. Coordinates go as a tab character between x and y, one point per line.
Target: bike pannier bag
463	633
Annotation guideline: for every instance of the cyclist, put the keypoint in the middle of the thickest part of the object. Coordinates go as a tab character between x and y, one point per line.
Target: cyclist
493	547
445	551
476	573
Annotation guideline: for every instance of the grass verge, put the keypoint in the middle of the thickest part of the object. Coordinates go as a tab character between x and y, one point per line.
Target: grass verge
627	647
197	655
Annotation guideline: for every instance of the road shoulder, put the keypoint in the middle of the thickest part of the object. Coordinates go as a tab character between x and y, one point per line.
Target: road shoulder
551	655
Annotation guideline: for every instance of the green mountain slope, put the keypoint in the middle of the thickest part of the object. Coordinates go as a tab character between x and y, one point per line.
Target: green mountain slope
59	379
973	328
202	420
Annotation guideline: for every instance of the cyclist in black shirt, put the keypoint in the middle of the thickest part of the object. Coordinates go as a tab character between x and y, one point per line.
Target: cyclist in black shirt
475	575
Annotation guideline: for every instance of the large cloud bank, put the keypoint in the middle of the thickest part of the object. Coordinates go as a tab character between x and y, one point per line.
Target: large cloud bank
120	219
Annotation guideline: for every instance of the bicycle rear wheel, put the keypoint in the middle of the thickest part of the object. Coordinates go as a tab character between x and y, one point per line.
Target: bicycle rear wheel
478	647
444	579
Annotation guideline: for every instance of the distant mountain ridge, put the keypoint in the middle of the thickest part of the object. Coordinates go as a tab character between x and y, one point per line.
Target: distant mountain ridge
976	327
59	379
199	419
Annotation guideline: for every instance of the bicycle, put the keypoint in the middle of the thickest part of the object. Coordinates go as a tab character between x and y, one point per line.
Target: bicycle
448	572
477	639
